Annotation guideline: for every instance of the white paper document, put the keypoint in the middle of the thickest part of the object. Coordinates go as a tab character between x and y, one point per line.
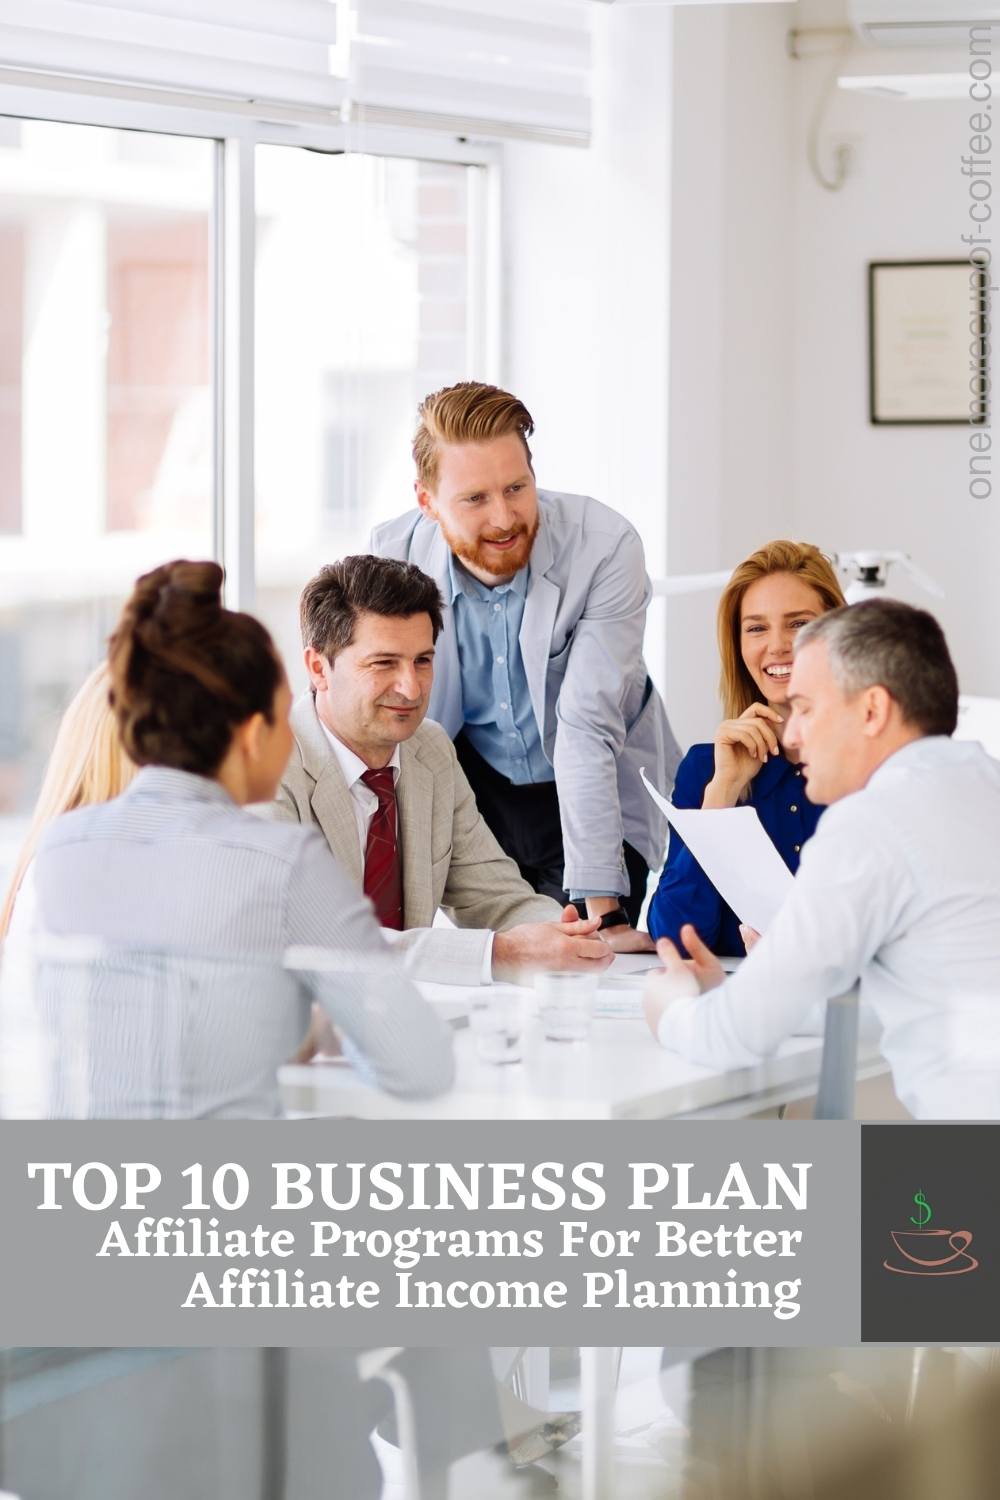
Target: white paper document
735	853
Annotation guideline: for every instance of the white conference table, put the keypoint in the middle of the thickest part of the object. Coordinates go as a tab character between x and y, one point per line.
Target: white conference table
620	1073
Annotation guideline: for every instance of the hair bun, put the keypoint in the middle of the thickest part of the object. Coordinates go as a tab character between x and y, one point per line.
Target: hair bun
157	595
185	670
187	594
170	614
197	580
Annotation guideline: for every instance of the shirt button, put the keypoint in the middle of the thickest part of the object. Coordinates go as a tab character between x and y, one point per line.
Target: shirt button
497	606
797	848
499	661
503	705
794	807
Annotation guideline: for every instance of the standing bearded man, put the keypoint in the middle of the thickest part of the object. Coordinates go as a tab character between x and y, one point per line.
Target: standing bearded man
539	673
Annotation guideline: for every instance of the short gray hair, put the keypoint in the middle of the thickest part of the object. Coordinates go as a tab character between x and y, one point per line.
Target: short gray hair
885	643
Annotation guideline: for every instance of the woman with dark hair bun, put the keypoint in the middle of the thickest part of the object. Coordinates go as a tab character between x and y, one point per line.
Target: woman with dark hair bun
176	866
185	672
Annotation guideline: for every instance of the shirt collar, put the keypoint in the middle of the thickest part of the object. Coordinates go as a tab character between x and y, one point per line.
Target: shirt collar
462	582
352	766
173	785
929	749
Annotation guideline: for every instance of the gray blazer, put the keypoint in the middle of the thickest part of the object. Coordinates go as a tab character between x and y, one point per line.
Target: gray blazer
450	858
581	642
200	901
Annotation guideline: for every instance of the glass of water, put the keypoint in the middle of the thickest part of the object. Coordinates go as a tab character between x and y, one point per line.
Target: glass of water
496	1023
566	1005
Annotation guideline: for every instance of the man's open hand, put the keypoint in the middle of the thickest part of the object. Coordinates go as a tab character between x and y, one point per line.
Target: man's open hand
680	977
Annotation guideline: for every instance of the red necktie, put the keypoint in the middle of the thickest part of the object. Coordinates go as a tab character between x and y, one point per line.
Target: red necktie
383	878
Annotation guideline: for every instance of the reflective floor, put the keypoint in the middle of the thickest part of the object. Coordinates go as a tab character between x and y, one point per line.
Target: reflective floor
293	1425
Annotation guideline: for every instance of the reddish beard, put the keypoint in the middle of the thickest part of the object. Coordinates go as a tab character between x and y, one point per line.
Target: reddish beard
501	564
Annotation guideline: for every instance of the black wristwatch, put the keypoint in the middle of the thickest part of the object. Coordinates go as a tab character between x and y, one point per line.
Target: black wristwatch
617	917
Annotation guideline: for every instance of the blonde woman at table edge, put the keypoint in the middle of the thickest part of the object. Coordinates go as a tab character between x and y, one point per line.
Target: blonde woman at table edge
770	596
87	765
177	866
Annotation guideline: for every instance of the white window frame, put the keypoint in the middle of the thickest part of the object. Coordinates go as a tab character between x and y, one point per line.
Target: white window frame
236	134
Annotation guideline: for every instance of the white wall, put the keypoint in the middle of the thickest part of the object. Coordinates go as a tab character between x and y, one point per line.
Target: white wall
795	452
587	260
648	319
751	419
730	340
550	279
855	484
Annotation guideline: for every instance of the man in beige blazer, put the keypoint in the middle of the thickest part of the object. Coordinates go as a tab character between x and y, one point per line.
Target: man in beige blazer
386	790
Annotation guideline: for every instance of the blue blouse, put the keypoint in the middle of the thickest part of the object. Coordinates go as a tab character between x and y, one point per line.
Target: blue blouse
685	893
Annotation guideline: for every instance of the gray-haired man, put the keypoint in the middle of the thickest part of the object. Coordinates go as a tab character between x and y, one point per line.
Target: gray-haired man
900	886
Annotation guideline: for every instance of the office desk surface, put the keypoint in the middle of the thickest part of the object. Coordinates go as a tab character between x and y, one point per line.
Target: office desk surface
621	1073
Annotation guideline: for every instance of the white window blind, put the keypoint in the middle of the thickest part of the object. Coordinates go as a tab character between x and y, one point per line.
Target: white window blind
484	67
478	67
273	51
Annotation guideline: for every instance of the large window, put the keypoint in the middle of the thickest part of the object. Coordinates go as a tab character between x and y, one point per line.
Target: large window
118	369
364	266
106	453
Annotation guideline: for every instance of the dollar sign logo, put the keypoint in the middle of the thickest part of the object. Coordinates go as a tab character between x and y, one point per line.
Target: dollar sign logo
923	1207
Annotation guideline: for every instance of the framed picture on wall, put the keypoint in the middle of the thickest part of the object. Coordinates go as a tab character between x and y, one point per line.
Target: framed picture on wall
927	342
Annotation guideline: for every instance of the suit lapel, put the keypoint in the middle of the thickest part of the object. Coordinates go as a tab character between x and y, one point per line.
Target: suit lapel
446	694
334	812
414	799
330	799
538	620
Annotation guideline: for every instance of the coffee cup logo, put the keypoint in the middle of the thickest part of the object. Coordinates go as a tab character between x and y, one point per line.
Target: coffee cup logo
930	1252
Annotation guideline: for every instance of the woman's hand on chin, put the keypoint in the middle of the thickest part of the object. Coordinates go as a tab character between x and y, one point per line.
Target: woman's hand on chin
742	746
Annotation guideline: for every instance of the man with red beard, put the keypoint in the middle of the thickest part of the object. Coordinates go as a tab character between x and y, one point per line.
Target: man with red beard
539	675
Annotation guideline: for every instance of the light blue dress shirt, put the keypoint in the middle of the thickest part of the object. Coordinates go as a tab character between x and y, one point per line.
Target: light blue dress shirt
500	722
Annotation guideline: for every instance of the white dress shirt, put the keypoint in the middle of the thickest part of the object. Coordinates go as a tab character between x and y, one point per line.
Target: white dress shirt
365	803
364	799
899	888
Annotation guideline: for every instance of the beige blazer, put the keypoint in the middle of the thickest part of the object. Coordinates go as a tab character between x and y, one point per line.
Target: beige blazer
451	860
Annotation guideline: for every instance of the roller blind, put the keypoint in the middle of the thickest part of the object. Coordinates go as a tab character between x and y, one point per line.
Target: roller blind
495	67
275	51
486	67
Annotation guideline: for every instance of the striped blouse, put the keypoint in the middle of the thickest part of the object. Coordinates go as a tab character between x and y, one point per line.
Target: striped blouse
194	902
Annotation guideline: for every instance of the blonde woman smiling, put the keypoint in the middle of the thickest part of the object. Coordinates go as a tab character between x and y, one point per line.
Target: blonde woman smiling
772	594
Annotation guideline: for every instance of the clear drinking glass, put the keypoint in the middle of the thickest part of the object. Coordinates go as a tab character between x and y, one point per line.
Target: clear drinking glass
496	1022
566	1005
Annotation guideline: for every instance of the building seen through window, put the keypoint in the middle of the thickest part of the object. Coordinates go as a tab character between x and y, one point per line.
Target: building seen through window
107	403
